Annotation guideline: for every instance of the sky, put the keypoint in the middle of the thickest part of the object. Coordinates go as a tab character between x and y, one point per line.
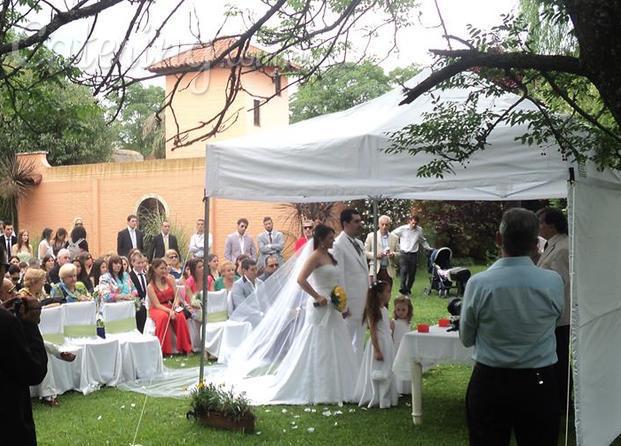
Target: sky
201	19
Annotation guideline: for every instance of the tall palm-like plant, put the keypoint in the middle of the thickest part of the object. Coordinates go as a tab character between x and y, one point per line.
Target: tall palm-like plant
297	213
17	178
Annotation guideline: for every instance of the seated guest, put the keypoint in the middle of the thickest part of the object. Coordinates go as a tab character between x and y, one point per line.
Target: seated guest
227	277
14	260
45	245
307	234
69	289
23	249
87	261
238	262
214	267
271	265
7	290
116	284
59	241
62	257
172	259
100	267
82	275
246	285
163	300
509	314
194	287
139	279
15	275
34	279
47	264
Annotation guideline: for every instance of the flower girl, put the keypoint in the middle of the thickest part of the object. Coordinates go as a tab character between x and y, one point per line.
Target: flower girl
403	312
376	383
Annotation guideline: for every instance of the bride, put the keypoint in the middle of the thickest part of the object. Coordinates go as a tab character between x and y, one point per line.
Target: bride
299	350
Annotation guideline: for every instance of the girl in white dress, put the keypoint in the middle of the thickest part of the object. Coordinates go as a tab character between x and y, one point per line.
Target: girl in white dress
403	312
376	383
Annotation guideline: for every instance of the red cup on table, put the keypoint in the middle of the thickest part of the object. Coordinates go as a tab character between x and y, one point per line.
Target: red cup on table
444	323
422	328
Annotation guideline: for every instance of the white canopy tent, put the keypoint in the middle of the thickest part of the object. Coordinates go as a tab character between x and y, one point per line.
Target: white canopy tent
340	157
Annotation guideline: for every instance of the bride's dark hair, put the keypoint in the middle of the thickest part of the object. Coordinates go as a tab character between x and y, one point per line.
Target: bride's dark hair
319	235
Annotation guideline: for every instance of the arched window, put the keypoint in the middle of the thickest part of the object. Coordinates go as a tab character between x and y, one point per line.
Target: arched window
151	212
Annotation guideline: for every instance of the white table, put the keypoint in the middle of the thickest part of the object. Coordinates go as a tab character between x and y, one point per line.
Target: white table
427	349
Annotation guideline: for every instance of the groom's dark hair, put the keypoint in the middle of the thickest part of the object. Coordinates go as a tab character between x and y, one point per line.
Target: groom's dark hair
347	215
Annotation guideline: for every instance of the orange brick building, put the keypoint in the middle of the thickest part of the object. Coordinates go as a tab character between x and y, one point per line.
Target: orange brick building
104	194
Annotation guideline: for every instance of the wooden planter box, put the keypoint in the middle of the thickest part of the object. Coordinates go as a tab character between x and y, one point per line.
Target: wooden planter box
219	421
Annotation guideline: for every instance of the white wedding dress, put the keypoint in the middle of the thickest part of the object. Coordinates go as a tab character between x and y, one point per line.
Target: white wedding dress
320	366
296	353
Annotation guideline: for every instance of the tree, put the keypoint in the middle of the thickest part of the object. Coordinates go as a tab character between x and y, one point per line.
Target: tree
137	125
576	91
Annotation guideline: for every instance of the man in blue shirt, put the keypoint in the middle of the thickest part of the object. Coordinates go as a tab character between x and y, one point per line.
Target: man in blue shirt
509	314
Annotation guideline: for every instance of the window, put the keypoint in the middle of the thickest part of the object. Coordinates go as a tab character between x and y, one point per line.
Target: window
277	83
257	112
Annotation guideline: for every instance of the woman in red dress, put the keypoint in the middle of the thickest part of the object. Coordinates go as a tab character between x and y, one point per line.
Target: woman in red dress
162	302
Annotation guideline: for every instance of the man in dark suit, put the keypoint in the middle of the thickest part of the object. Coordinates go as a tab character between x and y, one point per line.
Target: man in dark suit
24	363
8	239
130	237
139	278
162	242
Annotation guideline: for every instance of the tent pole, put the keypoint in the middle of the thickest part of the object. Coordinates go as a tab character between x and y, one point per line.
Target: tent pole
206	248
375	225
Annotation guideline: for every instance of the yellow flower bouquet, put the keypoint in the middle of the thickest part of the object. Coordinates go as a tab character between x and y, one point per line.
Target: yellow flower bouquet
338	297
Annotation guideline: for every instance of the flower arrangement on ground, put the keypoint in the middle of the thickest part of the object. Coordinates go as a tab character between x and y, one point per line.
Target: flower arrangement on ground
217	407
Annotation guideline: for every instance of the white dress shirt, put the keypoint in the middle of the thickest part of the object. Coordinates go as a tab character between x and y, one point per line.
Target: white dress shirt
411	239
132	236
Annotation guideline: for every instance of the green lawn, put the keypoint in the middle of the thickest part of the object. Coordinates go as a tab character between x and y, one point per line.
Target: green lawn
110	416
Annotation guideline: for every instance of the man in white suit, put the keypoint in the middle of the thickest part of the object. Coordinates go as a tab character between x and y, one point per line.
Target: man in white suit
352	263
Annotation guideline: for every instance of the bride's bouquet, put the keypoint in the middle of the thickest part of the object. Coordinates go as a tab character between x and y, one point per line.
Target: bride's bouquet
338	297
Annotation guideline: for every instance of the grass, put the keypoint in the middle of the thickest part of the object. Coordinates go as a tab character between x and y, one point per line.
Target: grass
110	416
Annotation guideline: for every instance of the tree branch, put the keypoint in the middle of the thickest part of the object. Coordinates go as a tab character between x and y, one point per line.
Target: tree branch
467	59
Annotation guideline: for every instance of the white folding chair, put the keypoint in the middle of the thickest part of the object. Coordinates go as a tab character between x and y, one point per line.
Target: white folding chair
142	355
61	376
103	359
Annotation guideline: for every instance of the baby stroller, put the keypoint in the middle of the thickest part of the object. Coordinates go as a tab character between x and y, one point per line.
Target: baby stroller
442	277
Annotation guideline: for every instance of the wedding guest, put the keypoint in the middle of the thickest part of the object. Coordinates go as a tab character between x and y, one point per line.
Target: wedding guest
59	241
15	276
239	242
78	221
8	238
245	286
163	300
271	265
238	263
125	263
162	242
87	260
271	242
197	241
116	283
130	237
14	260
78	243
45	245
69	288
24	364
34	281
214	267
553	227
7	290
411	238
139	279
62	257
100	267
172	259
23	249
509	314
377	385
193	287
82	274
307	234
47	265
227	277
387	251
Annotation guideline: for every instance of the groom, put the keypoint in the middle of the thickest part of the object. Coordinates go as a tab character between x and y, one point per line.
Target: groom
352	263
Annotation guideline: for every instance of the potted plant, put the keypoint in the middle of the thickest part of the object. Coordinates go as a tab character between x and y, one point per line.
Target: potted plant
216	407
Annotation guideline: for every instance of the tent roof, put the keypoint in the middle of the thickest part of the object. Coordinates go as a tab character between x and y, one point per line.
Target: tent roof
340	156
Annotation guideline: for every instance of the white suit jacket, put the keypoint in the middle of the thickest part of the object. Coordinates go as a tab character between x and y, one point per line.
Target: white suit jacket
354	273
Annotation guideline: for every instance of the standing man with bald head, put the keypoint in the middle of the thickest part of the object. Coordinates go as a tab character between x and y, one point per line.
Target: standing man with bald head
387	251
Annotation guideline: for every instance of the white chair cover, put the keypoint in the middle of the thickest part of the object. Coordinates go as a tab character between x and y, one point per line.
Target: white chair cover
103	359
61	376
141	353
222	336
